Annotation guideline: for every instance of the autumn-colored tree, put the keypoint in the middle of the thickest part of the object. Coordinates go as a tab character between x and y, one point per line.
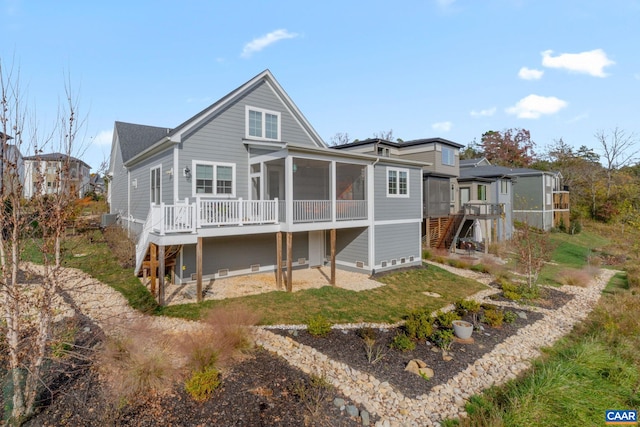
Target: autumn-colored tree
511	147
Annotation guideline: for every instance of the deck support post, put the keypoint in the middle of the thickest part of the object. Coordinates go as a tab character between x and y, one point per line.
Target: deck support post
199	270
289	262
153	267
427	232
279	260
161	275
333	256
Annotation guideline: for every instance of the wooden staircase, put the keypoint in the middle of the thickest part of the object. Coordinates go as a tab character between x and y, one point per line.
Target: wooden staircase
442	232
170	257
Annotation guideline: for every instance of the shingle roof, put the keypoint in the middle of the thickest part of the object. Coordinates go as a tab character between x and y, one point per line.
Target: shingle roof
134	138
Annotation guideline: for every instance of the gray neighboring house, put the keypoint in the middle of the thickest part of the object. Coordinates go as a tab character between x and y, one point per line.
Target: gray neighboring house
539	198
448	216
11	165
230	183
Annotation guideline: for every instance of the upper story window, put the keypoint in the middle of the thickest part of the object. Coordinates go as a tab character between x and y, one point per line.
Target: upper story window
262	124
397	182
383	151
504	186
482	192
215	179
448	156
156	184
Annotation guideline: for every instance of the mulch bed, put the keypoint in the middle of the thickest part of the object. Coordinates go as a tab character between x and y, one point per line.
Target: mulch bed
346	346
550	298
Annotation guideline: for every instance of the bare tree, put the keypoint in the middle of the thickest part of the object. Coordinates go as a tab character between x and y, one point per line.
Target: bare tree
618	149
533	249
340	138
387	135
27	335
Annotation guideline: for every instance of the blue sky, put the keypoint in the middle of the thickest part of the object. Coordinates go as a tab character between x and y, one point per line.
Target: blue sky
448	68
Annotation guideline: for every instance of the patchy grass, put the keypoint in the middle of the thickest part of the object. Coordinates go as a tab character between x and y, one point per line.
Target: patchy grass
91	254
403	293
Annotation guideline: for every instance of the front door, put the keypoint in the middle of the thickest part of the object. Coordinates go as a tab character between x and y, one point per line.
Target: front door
316	248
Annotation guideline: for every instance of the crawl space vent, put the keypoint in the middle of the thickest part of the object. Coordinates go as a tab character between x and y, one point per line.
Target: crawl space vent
383	264
403	260
394	262
359	264
411	259
223	272
302	261
255	268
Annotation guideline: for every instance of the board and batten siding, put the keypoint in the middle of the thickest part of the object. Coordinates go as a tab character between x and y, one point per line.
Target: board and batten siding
141	195
220	139
397	208
396	241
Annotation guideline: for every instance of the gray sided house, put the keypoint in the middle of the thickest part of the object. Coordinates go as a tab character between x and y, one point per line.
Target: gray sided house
446	218
539	199
247	186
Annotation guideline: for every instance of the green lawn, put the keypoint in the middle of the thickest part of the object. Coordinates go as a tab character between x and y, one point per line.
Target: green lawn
403	292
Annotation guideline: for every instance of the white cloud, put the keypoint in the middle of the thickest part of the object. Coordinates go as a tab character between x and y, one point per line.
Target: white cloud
484	113
534	106
530	74
442	126
256	45
592	62
104	137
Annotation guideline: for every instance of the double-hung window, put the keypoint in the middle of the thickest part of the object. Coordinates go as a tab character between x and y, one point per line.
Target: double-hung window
156	185
448	156
504	186
215	179
397	182
262	124
482	192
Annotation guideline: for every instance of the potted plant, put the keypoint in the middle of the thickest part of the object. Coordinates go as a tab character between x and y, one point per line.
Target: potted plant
462	329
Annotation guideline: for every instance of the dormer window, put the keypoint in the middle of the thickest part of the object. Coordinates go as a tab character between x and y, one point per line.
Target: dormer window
262	124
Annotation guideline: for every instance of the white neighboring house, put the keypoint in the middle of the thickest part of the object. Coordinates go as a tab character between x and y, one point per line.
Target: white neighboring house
51	166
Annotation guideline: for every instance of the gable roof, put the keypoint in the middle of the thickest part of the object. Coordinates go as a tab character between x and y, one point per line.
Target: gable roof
175	135
482	161
134	139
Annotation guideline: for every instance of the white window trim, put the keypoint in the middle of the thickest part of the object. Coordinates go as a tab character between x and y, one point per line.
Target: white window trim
158	167
398	170
264	124
215	175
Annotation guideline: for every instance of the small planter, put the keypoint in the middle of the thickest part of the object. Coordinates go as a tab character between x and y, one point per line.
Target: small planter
462	329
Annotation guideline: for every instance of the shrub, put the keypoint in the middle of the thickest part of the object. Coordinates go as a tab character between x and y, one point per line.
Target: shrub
493	318
313	393
426	254
419	324
464	306
367	333
510	291
374	353
445	319
574	277
510	317
121	245
318	325
402	342
202	384
443	338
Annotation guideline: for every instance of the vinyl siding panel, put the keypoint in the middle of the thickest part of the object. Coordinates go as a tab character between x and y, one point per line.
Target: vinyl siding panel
395	241
141	195
220	139
352	245
240	252
397	208
119	185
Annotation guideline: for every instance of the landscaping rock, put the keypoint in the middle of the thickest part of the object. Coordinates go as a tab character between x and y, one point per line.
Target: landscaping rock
352	411
339	403
364	416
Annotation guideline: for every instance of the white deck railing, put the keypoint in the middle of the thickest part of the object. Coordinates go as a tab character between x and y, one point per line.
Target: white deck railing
184	217
237	212
351	209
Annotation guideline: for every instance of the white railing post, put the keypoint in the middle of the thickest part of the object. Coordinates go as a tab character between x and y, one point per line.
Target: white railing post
276	207
240	212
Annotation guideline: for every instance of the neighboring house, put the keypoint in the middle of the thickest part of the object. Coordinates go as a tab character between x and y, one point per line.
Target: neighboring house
96	184
12	165
219	193
52	166
447	217
539	198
